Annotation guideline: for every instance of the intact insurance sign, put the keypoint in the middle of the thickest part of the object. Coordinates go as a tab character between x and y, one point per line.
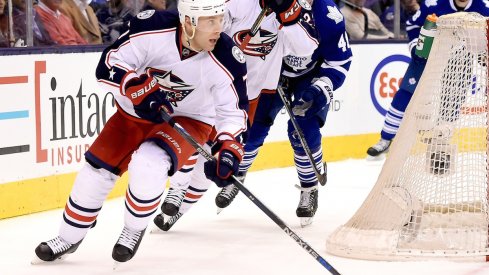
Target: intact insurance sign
51	110
386	80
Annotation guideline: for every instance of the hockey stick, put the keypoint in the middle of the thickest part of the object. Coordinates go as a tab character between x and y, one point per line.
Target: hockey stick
254	29
250	196
322	178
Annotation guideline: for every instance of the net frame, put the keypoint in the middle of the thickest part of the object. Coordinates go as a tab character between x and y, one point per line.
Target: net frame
431	198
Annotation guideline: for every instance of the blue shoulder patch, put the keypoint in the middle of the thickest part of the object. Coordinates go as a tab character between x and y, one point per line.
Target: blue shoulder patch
151	20
233	59
230	56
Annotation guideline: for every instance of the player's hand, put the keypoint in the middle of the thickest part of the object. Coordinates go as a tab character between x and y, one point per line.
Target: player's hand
147	98
229	154
308	102
287	11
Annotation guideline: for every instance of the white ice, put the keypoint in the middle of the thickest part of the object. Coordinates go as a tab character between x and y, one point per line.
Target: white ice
240	240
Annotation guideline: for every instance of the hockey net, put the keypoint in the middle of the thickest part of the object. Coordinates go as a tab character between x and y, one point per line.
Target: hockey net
431	197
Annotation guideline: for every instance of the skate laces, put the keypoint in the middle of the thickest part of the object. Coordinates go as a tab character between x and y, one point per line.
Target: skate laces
307	194
229	191
58	245
175	196
382	145
174	219
129	238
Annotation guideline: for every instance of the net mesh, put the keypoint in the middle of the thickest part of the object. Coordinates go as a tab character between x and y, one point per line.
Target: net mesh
430	199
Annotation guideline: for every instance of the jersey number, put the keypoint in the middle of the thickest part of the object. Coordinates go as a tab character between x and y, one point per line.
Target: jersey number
343	43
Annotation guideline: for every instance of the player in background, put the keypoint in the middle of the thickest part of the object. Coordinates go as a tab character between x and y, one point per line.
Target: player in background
184	64
311	80
416	67
279	35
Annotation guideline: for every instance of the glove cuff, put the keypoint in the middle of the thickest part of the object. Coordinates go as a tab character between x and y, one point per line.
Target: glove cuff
326	86
128	76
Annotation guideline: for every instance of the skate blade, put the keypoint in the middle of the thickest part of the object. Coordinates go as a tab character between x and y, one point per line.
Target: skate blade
219	210
116	265
156	230
306	221
376	158
36	260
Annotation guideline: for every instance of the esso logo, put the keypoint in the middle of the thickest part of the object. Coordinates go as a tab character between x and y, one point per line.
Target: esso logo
386	80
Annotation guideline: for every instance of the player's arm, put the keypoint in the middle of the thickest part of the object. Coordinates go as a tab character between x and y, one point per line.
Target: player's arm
414	24
301	39
335	55
335	52
231	105
117	68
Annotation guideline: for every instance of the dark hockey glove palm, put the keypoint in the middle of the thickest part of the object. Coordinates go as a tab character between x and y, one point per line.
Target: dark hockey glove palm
286	11
229	155
308	102
147	98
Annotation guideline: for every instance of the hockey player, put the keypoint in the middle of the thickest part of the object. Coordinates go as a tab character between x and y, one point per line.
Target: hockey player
312	80
415	69
183	64
278	36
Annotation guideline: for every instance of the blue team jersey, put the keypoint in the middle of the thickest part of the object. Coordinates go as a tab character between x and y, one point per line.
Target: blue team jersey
333	56
440	7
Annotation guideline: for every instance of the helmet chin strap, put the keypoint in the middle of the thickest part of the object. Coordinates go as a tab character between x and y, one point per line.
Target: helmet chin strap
190	37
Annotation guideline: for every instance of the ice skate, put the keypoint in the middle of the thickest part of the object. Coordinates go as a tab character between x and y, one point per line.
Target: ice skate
227	194
127	245
440	150
379	150
159	222
308	205
54	250
172	201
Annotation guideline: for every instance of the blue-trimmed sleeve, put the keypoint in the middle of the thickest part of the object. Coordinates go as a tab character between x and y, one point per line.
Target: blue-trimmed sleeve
334	48
414	24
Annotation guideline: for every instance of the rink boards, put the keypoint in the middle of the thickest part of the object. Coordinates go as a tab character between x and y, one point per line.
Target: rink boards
52	109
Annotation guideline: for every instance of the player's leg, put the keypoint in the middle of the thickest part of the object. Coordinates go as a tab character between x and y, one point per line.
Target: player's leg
198	185
179	183
398	106
106	159
158	157
269	105
308	202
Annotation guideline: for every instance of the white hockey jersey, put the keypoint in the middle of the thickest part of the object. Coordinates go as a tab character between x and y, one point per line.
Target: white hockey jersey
206	86
266	49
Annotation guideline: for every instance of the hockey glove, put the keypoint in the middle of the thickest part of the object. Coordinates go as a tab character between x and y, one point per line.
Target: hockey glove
286	11
147	98
308	102
229	154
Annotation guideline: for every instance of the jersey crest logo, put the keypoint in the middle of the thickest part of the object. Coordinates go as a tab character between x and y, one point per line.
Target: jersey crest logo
175	88
145	14
334	14
486	2
430	3
260	45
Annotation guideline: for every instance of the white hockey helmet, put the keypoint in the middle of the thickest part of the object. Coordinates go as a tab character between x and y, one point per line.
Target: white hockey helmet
197	8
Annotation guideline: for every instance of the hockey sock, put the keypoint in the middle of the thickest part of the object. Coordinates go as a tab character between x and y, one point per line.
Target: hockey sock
148	172
198	185
305	172
248	159
395	114
87	196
